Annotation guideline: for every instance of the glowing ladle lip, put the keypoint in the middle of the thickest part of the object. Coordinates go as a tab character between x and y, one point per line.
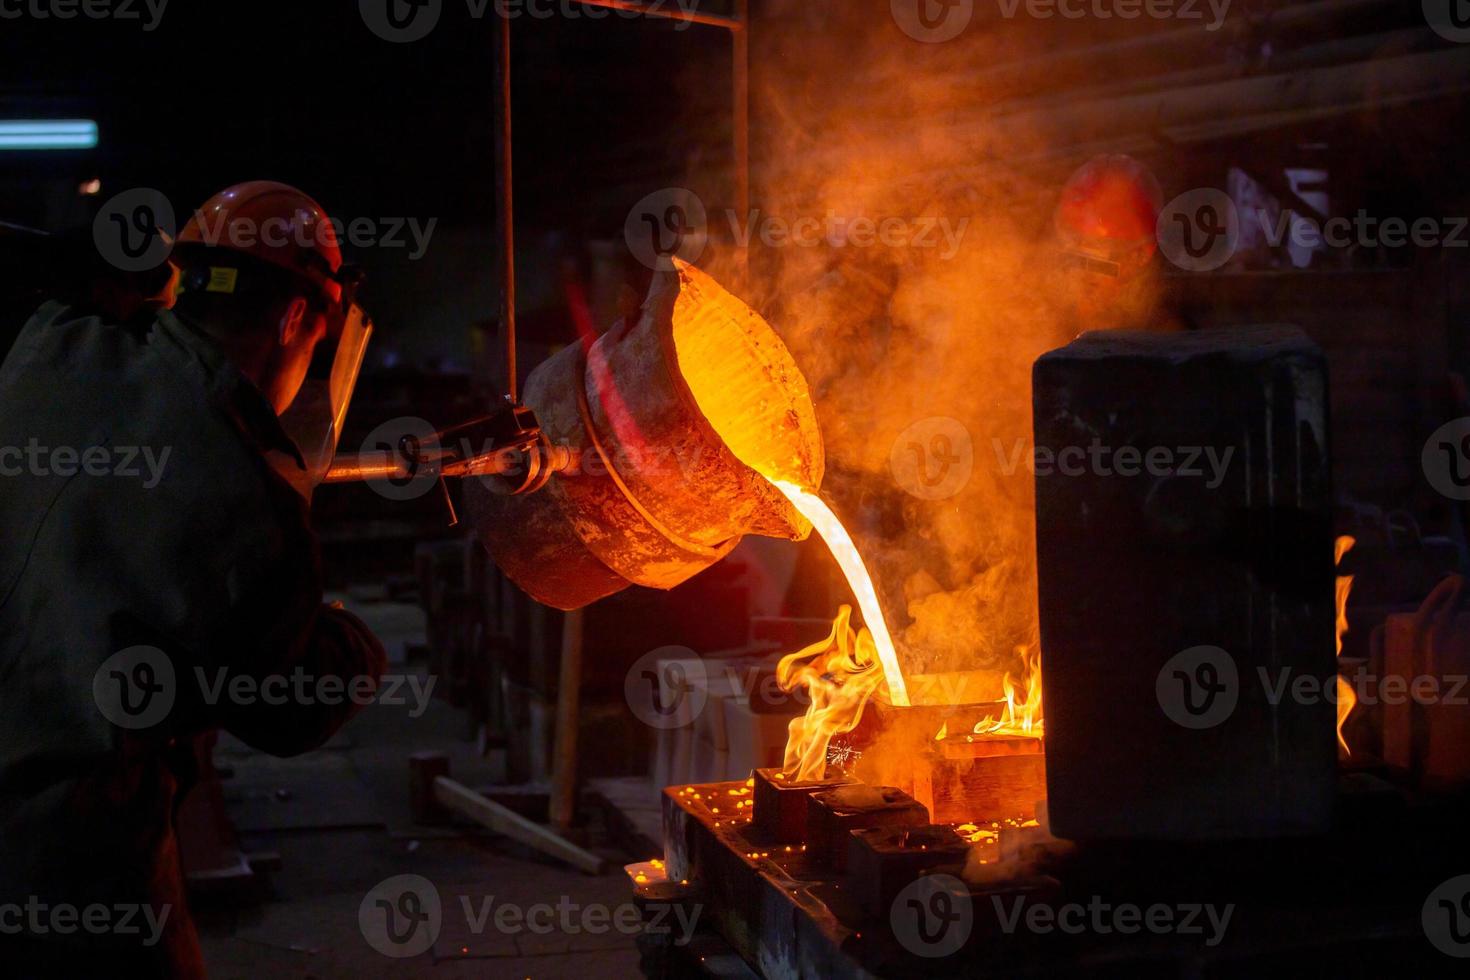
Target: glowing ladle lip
840	543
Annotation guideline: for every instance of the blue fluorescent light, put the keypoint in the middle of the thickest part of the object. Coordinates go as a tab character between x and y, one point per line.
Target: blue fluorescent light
48	134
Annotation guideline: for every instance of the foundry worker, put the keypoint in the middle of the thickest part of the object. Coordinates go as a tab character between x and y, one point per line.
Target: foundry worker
156	561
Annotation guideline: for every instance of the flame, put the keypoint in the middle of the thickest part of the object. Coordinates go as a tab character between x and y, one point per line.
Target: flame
839	674
1347	698
840	543
1022	716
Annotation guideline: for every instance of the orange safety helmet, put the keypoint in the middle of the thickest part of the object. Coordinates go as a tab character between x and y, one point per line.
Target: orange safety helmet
274	223
1108	216
281	226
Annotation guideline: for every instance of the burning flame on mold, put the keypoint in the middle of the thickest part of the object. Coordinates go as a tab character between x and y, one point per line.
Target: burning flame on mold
840	674
1021	715
1347	698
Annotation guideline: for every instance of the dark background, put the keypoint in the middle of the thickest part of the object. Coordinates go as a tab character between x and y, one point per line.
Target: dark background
232	90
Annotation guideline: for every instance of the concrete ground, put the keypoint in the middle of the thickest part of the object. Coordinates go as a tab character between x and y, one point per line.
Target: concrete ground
339	818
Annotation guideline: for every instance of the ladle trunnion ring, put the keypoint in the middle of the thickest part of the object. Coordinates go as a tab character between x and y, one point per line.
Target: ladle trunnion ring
669	430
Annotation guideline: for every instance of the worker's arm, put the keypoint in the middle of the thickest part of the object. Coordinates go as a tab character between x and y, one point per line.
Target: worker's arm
306	667
304	701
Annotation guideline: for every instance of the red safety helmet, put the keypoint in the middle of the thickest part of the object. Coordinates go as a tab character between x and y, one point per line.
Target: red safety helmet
277	224
1108	216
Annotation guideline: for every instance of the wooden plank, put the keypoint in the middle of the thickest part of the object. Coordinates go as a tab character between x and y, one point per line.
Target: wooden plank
982	789
467	803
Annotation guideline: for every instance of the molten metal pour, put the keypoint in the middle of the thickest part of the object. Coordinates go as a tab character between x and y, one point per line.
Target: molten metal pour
840	543
838	674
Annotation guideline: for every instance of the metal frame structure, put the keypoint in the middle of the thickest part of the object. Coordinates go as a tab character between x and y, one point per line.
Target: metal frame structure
739	28
564	771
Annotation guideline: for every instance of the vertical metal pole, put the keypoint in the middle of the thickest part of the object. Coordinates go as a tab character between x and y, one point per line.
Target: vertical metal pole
740	40
505	185
568	713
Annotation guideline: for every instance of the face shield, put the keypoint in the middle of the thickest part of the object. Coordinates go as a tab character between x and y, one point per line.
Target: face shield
315	418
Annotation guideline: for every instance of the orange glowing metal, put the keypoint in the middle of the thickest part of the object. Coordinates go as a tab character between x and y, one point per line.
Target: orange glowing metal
845	551
1347	698
975	835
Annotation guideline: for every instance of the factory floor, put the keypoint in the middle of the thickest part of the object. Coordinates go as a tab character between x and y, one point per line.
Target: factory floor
339	820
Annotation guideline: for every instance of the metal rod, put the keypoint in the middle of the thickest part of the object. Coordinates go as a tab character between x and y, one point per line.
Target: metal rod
692	16
383	464
740	94
740	86
386	464
740	97
568	715
507	217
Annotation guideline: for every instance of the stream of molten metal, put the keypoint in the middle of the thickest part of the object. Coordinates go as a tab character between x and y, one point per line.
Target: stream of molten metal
840	543
1347	697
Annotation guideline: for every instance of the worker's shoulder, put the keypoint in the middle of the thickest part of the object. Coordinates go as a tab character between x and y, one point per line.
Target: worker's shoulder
59	340
75	379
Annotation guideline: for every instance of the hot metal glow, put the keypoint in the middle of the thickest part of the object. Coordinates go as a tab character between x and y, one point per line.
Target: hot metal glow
1347	698
840	543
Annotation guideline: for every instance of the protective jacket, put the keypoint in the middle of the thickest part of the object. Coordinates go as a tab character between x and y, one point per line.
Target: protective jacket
157	579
